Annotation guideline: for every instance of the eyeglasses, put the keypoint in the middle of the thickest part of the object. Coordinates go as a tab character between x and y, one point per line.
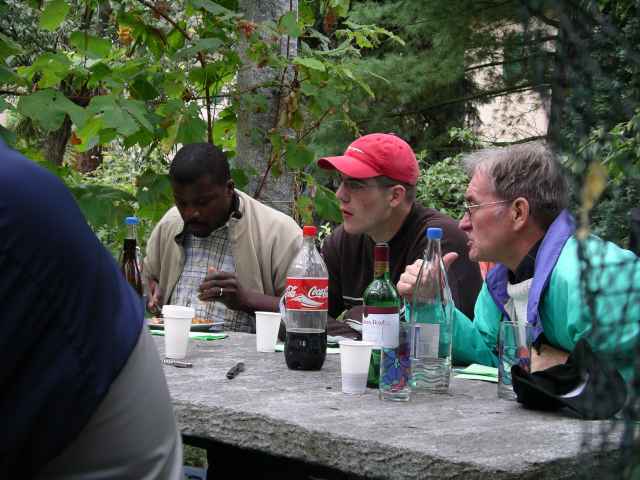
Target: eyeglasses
468	208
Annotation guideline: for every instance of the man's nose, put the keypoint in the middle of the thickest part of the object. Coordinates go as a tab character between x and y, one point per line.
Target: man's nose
465	222
190	213
342	194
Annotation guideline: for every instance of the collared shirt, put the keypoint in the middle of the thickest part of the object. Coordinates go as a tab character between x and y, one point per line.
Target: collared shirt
202	253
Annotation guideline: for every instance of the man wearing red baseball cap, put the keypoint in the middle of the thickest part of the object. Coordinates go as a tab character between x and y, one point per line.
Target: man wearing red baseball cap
377	200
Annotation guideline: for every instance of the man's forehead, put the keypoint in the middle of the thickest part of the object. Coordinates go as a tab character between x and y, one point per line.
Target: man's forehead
202	186
479	186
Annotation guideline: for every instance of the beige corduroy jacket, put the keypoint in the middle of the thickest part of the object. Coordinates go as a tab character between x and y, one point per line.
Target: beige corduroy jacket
264	242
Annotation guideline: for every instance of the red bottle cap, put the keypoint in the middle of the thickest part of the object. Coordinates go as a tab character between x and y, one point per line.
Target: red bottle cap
309	231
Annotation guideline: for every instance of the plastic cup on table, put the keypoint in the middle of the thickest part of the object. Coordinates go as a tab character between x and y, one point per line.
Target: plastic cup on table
354	365
177	324
267	325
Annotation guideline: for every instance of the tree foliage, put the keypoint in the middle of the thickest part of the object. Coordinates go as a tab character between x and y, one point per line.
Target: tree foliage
141	77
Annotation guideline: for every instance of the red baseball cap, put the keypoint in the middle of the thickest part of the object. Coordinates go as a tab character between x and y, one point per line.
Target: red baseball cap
374	155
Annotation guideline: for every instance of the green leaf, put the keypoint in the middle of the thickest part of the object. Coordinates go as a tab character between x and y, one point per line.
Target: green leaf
311	63
304	205
327	205
341	7
4	105
8	47
141	89
53	68
53	15
48	108
191	129
99	72
175	39
7	75
138	110
202	45
240	178
288	23
211	7
298	155
92	200
89	134
142	138
154	195
92	47
113	115
8	136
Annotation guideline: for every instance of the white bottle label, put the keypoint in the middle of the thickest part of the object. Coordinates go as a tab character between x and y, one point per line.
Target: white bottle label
382	329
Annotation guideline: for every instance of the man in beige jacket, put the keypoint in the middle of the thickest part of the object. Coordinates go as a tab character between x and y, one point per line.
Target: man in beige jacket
218	249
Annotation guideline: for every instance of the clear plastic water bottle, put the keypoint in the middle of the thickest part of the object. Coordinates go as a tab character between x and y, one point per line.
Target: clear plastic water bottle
431	318
306	301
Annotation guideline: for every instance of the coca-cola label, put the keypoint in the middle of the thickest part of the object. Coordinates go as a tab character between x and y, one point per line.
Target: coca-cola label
308	294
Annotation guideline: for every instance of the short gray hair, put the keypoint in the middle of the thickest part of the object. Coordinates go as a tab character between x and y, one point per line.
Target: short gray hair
528	170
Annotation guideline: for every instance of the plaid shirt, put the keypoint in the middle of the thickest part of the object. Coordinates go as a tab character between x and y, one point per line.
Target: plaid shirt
201	253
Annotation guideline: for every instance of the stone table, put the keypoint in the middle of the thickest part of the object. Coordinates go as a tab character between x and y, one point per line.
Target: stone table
304	417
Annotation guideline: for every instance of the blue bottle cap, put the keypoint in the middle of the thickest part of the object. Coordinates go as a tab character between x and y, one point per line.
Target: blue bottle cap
434	233
131	221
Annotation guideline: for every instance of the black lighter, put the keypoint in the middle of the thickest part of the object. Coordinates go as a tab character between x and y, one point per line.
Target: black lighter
235	370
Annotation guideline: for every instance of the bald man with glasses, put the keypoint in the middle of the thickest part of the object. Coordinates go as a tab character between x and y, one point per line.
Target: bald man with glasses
378	174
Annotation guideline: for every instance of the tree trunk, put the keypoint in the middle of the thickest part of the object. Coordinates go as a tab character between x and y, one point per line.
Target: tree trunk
88	161
559	85
253	151
55	143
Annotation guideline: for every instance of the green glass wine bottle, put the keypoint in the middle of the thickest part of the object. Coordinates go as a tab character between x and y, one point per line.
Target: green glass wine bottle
381	305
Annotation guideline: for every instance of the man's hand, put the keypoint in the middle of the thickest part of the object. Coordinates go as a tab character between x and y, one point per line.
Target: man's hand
409	278
224	287
548	357
155	300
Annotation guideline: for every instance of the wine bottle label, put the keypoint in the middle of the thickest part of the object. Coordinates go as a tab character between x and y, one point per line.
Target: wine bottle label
381	325
428	339
308	294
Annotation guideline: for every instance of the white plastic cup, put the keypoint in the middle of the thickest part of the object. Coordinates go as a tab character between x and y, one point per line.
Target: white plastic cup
354	365
267	325
177	324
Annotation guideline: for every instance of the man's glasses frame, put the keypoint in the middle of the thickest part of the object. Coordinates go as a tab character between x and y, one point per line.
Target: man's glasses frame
469	207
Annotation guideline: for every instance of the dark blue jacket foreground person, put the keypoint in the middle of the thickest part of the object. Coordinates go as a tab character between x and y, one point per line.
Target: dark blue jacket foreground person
80	380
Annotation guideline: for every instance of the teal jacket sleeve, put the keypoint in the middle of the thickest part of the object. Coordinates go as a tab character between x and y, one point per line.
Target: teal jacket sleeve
600	303
476	342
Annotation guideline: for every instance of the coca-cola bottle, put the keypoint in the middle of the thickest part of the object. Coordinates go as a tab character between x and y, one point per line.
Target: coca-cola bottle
306	302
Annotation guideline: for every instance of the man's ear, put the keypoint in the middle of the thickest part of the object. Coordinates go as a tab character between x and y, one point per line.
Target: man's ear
398	194
520	213
230	186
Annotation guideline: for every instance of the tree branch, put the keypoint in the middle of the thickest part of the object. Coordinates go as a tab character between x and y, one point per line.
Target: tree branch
522	140
505	62
167	18
486	94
